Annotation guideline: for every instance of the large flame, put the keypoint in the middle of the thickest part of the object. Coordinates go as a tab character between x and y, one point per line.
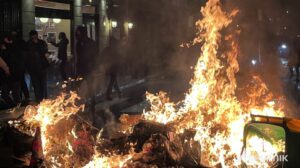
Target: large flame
61	143
108	162
211	107
261	153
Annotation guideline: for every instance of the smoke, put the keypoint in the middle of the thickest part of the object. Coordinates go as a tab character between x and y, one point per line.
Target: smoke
105	119
160	27
264	26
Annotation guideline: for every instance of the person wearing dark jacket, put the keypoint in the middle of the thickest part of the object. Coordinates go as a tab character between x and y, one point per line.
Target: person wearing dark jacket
10	53
86	51
19	49
4	82
112	56
62	53
37	64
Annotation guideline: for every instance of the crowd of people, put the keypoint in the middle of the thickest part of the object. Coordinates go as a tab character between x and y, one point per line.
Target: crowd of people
19	57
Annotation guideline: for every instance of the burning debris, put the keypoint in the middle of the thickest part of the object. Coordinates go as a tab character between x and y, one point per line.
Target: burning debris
205	129
63	136
155	145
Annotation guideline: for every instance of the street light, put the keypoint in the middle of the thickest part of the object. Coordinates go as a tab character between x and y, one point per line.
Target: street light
283	46
114	24
130	25
44	20
56	20
253	62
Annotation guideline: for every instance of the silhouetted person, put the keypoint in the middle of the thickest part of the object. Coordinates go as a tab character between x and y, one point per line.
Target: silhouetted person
37	65
19	47
62	53
86	51
11	54
112	58
4	82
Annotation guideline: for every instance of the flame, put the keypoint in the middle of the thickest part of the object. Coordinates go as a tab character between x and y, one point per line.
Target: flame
261	153
58	135
116	161
211	107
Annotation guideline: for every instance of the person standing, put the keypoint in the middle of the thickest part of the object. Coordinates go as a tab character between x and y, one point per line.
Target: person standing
4	80
112	59
37	64
11	54
62	53
18	48
86	51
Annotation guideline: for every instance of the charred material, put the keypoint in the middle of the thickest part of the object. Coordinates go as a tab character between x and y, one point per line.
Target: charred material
156	145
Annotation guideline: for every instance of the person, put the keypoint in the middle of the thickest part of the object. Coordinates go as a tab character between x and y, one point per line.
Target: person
19	47
37	64
86	51
12	81
62	53
4	73
112	58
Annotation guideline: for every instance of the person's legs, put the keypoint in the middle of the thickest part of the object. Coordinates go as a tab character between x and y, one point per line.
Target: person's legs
24	88
16	91
62	69
116	86
43	78
5	95
110	86
37	86
91	96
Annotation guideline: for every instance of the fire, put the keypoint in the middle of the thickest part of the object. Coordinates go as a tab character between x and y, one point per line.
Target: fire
211	107
60	141
116	161
261	153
